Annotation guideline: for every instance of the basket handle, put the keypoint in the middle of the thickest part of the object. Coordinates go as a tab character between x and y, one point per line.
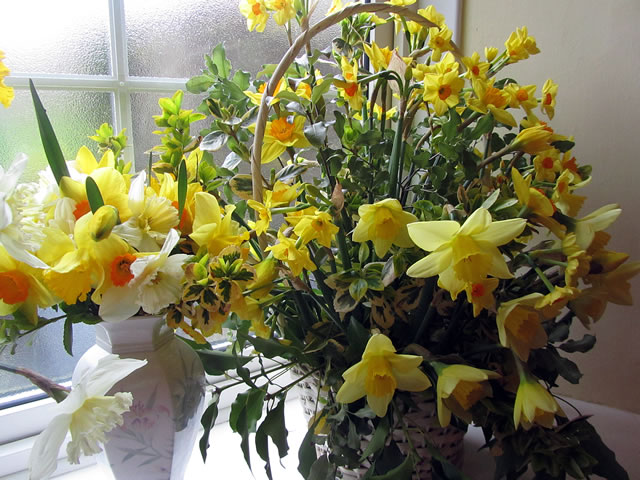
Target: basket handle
290	55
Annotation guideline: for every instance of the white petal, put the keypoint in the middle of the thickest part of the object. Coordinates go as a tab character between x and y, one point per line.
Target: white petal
109	371
44	454
17	251
118	304
9	179
136	193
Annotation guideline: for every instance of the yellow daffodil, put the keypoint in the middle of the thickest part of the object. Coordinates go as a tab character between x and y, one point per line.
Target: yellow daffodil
297	258
534	405
6	93
256	97
377	112
255	11
380	373
317	227
336	5
168	188
459	388
283	194
534	139
294	217
282	133
266	273
379	57
22	288
521	96
385	224
490	53
213	229
480	294
284	10
548	101
578	266
86	162
476	70
431	14
490	99
350	89
553	303
468	253
439	41
600	219
303	90
547	165
403	3
532	198
519	325
263	212
441	90
520	45
563	199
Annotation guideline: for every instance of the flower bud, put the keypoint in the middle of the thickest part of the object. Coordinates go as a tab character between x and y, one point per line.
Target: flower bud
103	221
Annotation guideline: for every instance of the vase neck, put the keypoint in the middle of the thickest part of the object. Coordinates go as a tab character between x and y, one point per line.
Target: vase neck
136	334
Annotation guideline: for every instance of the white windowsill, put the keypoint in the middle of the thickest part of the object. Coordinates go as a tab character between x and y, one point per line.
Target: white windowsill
618	429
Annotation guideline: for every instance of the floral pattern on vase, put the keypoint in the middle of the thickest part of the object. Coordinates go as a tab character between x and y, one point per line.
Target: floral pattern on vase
157	437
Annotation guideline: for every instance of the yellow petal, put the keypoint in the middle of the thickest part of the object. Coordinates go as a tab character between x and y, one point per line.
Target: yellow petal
501	232
432	265
432	235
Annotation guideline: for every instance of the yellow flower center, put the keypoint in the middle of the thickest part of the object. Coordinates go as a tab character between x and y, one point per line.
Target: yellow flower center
279	4
282	129
444	92
256	9
14	287
386	226
380	380
468	393
523	324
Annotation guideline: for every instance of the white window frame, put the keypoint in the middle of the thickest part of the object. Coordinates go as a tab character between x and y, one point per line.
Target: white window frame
22	423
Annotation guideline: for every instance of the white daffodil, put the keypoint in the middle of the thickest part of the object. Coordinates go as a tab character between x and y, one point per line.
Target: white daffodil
156	283
151	217
11	236
87	413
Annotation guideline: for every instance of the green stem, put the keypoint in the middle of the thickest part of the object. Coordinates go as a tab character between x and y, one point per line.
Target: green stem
394	163
540	274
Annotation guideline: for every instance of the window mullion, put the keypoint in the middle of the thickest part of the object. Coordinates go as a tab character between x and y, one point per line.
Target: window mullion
122	98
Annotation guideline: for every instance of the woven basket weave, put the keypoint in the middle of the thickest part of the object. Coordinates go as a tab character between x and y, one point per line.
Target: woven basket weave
423	427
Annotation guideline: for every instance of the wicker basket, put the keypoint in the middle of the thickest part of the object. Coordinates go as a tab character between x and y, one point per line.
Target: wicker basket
424	430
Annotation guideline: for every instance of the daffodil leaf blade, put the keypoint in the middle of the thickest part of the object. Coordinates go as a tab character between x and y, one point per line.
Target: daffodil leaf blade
52	149
217	363
273	426
378	439
67	338
93	194
403	471
321	469
246	410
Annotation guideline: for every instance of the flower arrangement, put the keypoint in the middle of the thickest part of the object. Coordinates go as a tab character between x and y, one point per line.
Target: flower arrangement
435	249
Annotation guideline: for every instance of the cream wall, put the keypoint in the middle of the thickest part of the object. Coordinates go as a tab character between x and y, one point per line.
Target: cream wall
591	48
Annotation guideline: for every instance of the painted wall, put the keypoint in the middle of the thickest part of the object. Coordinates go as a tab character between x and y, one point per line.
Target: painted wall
591	49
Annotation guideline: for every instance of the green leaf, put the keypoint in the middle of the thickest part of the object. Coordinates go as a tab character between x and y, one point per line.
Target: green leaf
401	472
208	421
269	347
563	145
357	336
67	339
321	470
214	141
246	410
290	96
93	194
217	363
358	289
50	143
607	467
484	125
242	186
199	83
319	90
182	187
272	426
567	369
241	79
316	134
378	439
583	345
307	455
491	199
219	59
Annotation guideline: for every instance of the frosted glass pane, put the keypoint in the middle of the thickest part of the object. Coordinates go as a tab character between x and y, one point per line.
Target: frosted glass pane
74	114
143	106
64	36
44	353
171	38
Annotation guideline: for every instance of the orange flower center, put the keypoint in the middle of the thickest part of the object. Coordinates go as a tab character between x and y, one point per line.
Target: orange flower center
571	165
522	95
282	130
494	97
262	87
82	208
477	290
121	269
352	89
547	162
256	9
548	99
14	287
562	186
475	70
444	92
